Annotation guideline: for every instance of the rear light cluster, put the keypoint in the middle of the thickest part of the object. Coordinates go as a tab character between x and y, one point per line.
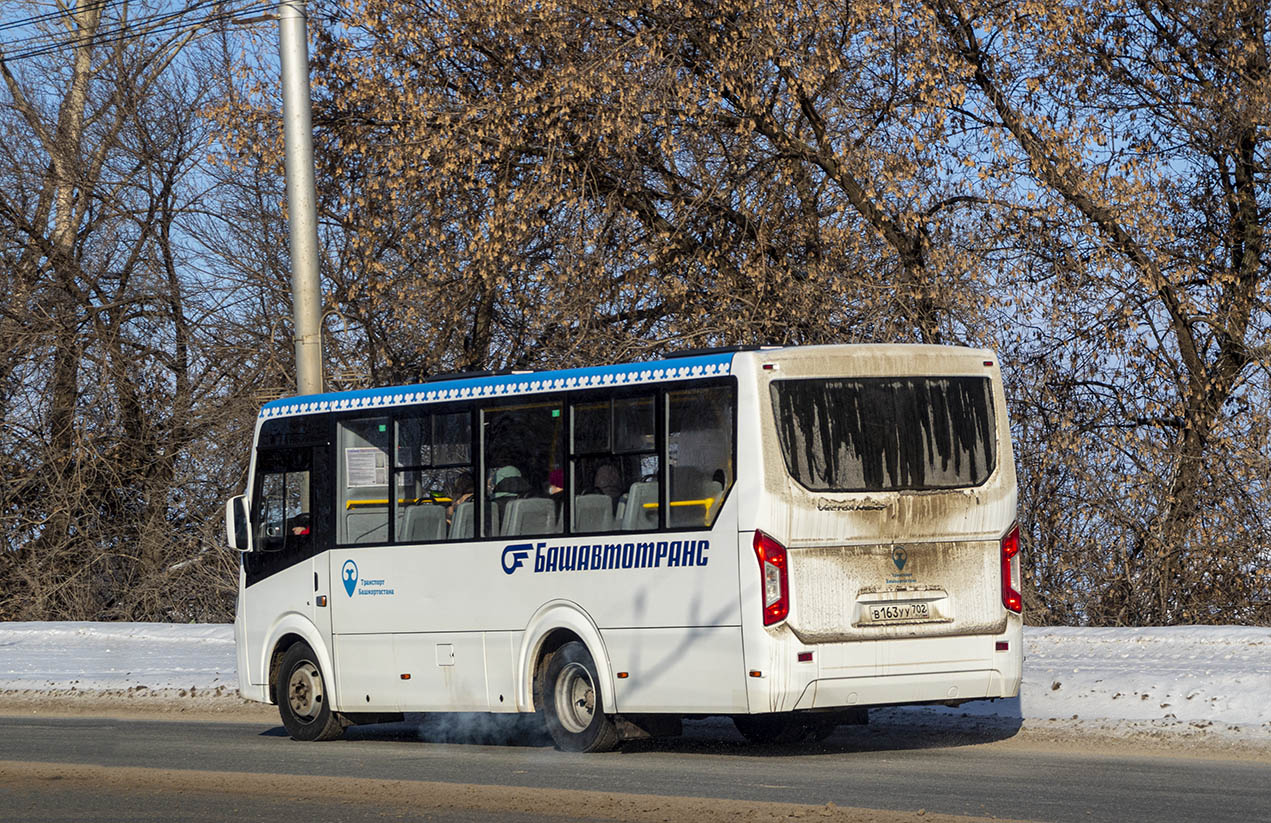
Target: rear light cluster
1011	598
772	574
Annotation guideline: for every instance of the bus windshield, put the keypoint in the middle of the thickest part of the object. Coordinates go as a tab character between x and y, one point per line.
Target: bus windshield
886	433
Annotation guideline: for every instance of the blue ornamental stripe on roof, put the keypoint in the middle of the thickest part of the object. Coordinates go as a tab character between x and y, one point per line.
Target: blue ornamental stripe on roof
505	385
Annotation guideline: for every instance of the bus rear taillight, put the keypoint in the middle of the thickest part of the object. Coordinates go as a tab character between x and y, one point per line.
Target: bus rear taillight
1011	597
772	574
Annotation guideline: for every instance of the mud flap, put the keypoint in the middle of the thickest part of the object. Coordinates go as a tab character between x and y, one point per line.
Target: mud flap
645	726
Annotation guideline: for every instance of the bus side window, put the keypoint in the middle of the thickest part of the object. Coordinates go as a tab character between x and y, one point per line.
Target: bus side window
699	453
524	444
362	476
283	518
432	476
614	455
272	520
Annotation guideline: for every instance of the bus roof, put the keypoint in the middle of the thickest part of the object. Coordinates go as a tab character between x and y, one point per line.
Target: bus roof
506	385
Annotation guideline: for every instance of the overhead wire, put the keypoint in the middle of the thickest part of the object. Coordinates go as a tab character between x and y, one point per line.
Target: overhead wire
53	15
157	24
76	39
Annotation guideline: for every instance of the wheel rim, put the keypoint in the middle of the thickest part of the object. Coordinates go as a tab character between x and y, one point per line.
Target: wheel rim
575	698
304	691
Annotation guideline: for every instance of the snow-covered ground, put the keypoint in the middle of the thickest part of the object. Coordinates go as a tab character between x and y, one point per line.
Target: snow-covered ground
116	656
1198	680
1186	680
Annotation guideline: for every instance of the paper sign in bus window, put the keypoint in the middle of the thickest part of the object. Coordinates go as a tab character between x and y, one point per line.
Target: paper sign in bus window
365	466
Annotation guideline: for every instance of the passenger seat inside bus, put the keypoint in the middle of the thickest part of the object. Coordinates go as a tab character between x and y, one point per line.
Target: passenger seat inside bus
640	512
423	524
715	493
368	525
461	522
529	515
593	513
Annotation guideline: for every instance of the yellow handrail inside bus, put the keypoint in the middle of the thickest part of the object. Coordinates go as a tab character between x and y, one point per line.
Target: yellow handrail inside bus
401	501
705	503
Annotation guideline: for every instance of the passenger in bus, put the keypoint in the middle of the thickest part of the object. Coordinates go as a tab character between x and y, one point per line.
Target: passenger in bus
609	481
461	492
556	489
299	524
507	482
505	485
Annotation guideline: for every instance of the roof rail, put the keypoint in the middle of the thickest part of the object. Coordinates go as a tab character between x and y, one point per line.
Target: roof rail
715	350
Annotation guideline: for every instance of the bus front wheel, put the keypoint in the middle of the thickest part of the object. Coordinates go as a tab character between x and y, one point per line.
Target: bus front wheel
302	697
572	704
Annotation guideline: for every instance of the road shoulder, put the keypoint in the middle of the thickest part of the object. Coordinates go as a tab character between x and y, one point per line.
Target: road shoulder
886	731
424	797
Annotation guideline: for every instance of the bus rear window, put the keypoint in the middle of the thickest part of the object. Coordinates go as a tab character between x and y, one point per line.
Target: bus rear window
886	433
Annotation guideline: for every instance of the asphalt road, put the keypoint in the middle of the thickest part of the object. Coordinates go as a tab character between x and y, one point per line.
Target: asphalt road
981	775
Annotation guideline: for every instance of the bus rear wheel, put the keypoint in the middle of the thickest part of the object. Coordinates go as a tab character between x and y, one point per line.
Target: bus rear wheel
572	704
302	697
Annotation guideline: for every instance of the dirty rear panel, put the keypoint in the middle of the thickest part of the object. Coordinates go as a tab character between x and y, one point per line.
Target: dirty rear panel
889	476
895	590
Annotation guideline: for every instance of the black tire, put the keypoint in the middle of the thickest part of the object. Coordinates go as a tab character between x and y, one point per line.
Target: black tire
572	706
781	729
302	697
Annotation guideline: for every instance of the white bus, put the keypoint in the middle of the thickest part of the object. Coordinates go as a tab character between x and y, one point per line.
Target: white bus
786	536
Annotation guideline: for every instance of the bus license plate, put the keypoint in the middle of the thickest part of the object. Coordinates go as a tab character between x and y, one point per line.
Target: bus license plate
898	612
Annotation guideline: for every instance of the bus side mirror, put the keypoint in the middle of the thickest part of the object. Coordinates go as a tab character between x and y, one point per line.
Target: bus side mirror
236	532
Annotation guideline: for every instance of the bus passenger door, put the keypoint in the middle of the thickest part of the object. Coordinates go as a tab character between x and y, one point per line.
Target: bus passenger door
322	494
286	573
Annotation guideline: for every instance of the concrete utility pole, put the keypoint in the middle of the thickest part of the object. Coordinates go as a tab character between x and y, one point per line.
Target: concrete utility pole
302	201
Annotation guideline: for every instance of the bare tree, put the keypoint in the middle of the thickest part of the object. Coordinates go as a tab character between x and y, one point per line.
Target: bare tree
111	398
1083	187
1139	132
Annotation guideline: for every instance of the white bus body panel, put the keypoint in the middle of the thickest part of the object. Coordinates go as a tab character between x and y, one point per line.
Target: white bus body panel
292	614
409	601
696	670
275	602
244	650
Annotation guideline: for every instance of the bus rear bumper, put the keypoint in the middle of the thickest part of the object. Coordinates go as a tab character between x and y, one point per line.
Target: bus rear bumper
889	672
890	690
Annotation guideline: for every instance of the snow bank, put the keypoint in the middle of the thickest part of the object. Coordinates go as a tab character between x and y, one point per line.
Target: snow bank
1193	674
116	656
1190	679
1215	679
